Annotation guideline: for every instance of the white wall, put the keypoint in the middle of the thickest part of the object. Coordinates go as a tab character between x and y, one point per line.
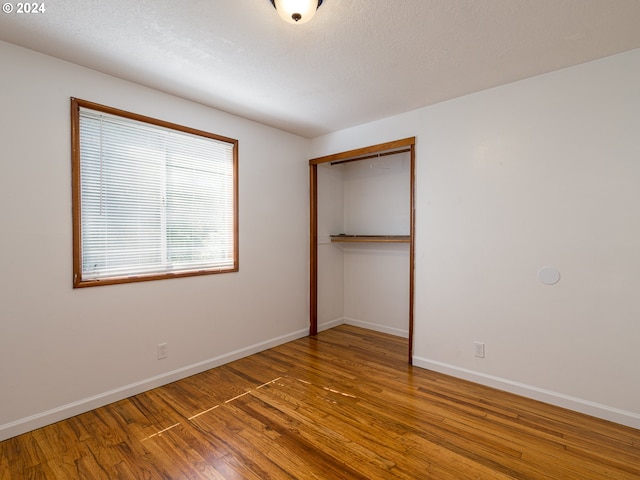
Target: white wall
63	351
330	257
377	196
376	286
542	172
376	276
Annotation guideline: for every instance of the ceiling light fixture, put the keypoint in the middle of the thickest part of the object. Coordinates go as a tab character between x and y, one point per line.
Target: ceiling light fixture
296	11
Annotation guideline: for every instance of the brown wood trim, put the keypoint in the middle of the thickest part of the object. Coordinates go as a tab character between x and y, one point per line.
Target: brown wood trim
78	282
371	238
412	247
236	206
374	155
154	121
358	152
355	155
146	278
75	192
313	247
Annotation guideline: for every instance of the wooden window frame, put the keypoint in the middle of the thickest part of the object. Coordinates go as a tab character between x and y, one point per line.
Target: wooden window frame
78	281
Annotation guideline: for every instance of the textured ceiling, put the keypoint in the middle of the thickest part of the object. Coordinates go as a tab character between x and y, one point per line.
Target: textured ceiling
355	62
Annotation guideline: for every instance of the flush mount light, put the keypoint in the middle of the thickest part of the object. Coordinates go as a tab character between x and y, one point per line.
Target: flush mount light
296	11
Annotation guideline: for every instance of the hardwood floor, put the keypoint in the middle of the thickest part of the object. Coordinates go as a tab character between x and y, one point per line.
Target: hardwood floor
342	405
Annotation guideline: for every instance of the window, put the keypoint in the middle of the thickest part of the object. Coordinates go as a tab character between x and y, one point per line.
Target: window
151	199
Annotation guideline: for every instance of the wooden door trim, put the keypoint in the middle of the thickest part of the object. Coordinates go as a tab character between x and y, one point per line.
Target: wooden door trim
356	155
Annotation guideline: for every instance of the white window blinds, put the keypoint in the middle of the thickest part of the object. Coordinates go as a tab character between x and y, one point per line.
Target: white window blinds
153	200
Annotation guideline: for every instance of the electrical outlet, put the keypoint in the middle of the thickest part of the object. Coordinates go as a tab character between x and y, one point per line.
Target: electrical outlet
162	351
478	348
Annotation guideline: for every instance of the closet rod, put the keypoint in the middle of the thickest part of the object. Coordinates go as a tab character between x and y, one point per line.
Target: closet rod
366	157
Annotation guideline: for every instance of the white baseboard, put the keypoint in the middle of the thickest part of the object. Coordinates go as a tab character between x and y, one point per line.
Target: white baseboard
330	324
361	323
63	412
594	409
376	327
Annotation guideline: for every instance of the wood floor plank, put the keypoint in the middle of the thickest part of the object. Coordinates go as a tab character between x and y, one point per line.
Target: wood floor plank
343	405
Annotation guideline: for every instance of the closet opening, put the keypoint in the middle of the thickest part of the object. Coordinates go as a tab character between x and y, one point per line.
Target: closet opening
362	228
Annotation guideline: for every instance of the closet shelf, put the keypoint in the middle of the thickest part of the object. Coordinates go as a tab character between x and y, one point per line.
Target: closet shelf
371	238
